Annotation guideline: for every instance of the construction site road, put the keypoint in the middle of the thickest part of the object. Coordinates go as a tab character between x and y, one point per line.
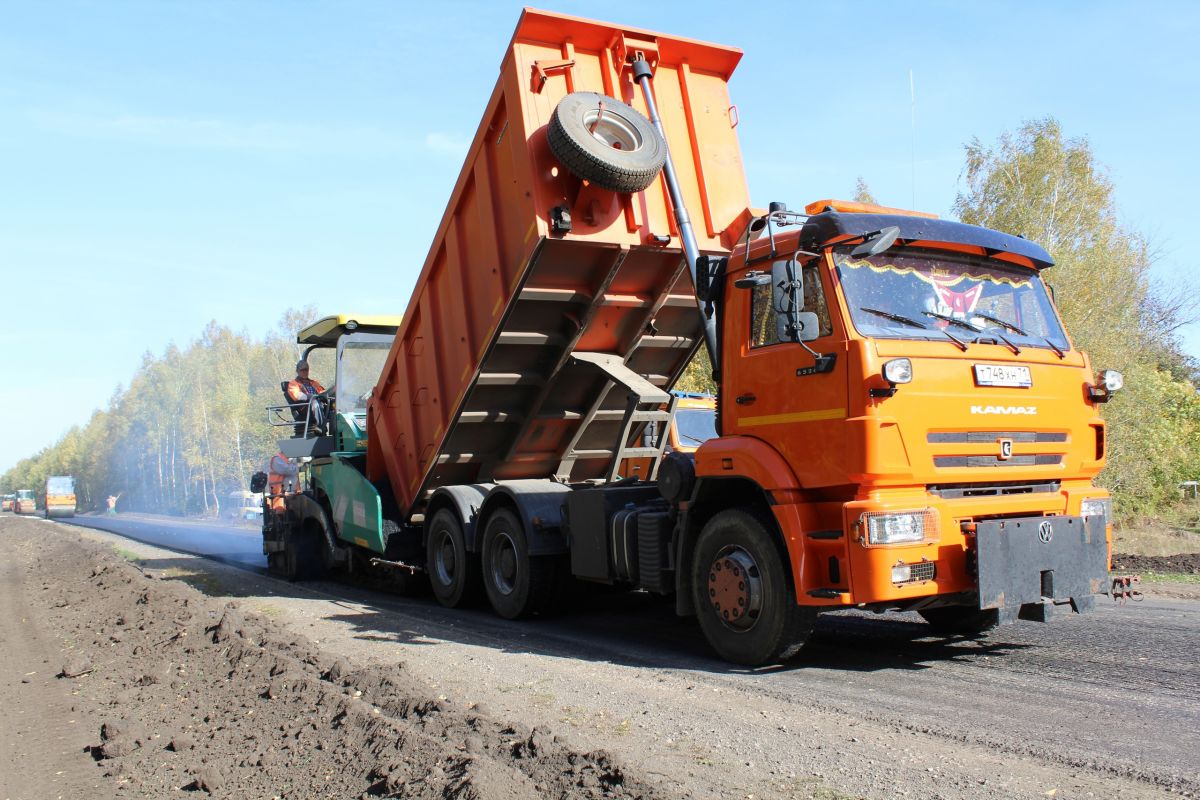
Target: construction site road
1095	705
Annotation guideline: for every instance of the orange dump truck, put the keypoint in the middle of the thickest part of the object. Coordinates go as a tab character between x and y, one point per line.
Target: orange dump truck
902	421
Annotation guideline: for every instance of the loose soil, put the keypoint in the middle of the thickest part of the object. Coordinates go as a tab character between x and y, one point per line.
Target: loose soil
158	688
1184	564
1095	705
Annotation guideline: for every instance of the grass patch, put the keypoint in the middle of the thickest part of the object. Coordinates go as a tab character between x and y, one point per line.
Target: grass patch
128	555
1175	530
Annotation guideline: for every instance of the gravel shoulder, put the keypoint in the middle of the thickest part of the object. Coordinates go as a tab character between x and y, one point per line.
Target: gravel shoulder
1104	704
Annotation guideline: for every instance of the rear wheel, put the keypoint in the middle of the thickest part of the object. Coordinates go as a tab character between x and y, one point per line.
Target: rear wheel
517	584
454	573
743	596
962	620
302	557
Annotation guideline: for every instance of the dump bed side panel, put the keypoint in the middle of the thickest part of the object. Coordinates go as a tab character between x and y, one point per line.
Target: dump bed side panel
480	384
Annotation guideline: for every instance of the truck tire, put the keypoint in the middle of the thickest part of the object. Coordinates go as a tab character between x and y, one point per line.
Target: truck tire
454	573
604	141
516	583
962	620
743	594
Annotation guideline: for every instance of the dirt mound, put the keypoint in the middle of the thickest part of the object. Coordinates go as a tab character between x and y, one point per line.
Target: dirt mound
194	694
1186	563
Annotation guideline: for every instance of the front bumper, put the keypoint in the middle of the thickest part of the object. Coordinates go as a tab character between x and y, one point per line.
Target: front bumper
1030	560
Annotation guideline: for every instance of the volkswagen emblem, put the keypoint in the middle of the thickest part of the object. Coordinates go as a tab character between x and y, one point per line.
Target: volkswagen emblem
1045	532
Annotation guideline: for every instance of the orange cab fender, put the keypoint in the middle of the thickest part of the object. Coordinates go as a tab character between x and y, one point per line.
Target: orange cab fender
734	472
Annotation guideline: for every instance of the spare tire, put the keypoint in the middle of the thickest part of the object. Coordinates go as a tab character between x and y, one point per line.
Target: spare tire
607	142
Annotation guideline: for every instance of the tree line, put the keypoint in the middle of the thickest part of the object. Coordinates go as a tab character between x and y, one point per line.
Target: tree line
190	426
189	429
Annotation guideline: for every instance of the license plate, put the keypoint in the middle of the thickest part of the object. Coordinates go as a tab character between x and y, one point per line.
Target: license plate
1002	375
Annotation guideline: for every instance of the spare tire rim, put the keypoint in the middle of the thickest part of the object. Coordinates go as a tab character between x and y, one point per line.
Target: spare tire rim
504	563
735	589
611	129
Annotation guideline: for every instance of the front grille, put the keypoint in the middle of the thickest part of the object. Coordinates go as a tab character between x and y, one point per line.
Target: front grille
991	437
996	461
955	491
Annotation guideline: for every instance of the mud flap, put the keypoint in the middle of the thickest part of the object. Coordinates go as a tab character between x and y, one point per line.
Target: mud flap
1028	565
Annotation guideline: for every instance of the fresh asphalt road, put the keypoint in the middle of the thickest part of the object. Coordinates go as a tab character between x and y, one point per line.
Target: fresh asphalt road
235	544
1117	689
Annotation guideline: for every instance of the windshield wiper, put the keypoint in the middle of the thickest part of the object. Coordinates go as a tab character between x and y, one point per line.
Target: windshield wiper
691	438
898	318
1058	351
889	315
1001	323
953	321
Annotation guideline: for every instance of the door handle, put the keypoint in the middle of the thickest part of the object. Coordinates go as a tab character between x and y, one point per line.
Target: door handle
745	399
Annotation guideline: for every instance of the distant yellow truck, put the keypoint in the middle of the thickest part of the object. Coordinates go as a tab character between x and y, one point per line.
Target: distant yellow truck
60	496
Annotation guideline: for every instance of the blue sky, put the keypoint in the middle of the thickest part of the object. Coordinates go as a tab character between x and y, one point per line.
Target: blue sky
163	164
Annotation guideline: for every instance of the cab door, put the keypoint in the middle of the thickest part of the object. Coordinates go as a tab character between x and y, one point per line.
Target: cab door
778	391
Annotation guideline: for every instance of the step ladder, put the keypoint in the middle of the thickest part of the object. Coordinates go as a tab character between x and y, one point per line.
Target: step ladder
643	406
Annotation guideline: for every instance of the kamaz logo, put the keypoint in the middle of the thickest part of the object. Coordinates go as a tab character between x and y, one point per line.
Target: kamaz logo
1004	410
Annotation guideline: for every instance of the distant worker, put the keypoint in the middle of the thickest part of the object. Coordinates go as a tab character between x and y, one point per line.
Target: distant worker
303	390
282	478
111	502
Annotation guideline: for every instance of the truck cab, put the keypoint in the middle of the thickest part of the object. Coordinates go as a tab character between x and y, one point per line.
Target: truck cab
925	432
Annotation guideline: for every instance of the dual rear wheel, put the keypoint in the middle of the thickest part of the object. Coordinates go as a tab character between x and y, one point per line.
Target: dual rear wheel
517	584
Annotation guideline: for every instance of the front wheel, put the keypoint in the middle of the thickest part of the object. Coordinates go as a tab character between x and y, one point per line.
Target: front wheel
517	583
453	572
743	598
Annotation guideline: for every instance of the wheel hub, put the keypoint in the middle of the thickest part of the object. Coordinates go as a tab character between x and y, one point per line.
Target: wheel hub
504	563
444	560
612	129
735	588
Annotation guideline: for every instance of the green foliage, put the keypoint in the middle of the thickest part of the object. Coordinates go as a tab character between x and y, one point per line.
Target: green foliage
862	192
189	429
1050	189
697	376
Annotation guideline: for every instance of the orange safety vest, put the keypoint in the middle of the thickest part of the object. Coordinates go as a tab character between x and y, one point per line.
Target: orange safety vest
279	469
300	389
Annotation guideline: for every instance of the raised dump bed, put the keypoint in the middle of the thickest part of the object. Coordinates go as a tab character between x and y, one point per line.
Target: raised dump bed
552	315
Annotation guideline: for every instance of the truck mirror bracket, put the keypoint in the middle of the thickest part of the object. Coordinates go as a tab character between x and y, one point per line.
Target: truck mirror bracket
824	363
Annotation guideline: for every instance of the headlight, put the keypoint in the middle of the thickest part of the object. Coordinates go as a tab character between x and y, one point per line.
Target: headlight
904	527
1097	507
1111	380
898	370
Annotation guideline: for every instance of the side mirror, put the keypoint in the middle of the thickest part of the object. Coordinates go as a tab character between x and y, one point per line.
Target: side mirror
802	326
787	286
875	243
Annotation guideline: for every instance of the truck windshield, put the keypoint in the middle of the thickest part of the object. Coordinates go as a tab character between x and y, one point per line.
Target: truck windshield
919	294
695	426
60	485
362	363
